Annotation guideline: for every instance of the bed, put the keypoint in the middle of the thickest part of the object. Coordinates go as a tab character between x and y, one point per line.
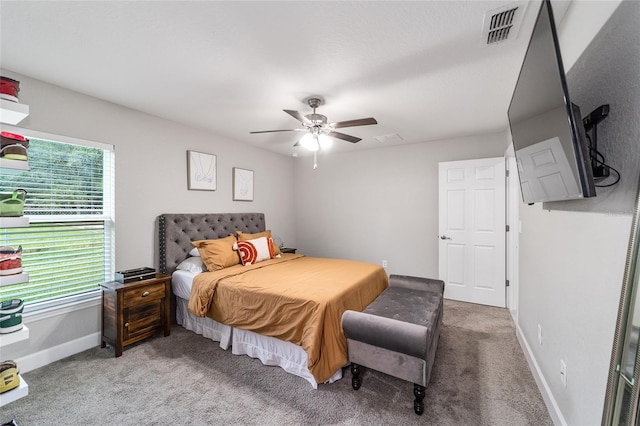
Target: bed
236	305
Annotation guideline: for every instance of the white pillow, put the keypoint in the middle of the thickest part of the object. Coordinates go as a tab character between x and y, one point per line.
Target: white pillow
193	265
194	252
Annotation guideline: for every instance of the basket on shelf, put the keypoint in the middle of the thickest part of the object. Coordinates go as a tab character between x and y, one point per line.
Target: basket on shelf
9	89
10	260
9	376
13	146
11	315
12	203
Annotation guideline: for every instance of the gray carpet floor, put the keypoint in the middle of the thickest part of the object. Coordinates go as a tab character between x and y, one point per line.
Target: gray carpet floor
480	377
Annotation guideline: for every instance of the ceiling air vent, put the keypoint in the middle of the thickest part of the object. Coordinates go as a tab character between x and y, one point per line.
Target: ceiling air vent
502	24
390	138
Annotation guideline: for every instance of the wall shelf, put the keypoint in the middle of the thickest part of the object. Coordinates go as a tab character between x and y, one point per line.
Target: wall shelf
14	222
12	112
9	164
21	391
16	336
14	279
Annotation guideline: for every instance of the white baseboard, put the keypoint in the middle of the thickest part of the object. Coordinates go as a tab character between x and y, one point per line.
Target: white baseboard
549	400
47	356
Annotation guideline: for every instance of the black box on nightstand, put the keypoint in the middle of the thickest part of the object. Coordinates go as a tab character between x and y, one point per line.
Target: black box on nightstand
135	275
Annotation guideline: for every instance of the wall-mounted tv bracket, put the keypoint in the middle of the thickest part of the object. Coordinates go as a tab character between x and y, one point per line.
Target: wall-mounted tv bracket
601	170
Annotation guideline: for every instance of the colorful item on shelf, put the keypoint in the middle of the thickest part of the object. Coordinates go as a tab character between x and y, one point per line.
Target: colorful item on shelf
13	146
10	260
9	89
12	203
9	376
11	315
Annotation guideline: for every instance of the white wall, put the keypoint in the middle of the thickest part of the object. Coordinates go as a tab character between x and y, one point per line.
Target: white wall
151	179
572	257
571	267
580	25
380	203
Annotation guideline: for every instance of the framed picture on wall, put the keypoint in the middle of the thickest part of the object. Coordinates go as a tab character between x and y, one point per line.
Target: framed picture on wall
242	184
201	171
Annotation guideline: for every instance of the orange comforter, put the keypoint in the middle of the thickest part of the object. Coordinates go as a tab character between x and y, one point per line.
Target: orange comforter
295	298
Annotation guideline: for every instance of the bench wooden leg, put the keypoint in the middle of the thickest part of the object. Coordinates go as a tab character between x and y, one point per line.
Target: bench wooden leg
355	376
418	404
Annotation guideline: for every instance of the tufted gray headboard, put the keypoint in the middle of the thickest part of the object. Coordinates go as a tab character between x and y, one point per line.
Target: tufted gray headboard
177	230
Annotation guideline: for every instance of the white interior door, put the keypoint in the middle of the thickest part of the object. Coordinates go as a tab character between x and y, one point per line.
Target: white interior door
513	200
545	172
472	230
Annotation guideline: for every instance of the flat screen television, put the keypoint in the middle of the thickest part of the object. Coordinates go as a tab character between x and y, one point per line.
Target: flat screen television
551	148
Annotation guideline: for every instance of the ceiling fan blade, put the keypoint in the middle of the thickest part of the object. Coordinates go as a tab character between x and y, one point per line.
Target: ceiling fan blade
295	114
352	123
271	131
344	137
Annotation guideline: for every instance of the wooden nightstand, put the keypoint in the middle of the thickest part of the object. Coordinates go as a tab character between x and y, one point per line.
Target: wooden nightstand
287	250
134	311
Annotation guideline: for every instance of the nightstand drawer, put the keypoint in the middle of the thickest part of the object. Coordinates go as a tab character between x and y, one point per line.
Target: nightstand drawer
142	295
142	320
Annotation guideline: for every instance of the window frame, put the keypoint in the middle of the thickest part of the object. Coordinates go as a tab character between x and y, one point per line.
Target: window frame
82	300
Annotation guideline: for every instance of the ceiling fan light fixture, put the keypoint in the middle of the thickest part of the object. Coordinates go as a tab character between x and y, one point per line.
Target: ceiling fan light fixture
310	142
325	141
320	133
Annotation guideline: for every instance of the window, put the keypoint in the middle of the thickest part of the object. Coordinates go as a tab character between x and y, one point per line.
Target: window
68	248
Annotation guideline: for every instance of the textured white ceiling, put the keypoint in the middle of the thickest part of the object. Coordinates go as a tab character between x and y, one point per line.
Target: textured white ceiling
420	68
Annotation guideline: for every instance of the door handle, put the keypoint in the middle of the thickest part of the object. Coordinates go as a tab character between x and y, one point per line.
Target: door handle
444	237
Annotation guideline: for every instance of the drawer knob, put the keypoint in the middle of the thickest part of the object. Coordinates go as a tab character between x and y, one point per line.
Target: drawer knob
145	294
126	325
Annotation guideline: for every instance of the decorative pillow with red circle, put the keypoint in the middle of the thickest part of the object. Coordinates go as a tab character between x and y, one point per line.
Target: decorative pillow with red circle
254	251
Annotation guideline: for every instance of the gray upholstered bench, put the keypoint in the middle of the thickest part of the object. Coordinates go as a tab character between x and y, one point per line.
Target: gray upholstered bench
398	333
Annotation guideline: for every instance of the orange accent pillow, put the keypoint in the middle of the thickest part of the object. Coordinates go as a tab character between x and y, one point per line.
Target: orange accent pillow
254	251
218	254
243	236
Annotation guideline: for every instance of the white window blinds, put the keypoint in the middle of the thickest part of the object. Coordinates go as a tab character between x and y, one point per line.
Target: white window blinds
68	248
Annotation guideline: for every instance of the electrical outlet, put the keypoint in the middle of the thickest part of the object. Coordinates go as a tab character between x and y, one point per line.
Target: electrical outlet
384	264
539	334
563	373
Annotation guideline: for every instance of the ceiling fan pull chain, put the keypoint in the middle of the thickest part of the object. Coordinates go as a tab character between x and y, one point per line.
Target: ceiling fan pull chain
315	160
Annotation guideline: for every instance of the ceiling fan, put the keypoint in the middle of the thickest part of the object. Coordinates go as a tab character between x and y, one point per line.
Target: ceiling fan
318	131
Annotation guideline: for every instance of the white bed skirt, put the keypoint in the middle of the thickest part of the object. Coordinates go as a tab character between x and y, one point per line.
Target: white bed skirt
269	350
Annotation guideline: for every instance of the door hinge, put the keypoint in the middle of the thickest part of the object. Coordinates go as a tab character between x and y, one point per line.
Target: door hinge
507	228
507	283
507	173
